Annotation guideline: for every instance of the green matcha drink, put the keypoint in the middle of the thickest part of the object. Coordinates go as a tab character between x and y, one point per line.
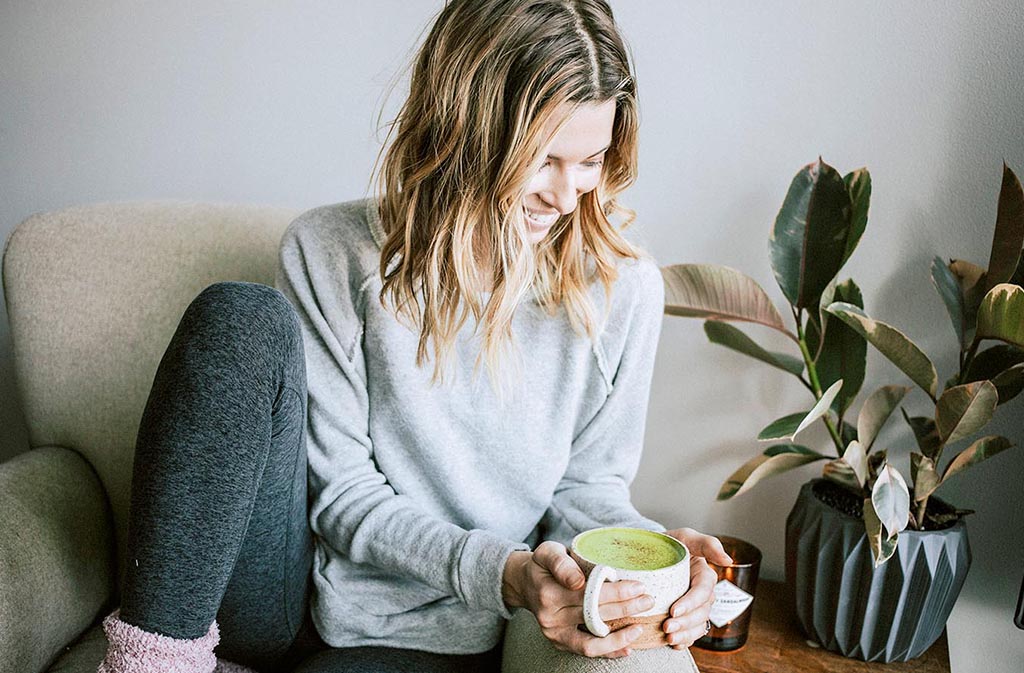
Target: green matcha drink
629	549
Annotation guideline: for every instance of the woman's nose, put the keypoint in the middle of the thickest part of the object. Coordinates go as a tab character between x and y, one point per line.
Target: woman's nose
562	192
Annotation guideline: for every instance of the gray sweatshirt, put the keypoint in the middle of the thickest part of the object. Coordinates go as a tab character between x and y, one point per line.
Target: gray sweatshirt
420	492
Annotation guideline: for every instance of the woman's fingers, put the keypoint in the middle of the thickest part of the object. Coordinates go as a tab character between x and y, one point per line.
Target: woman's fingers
701	593
553	557
699	544
614	645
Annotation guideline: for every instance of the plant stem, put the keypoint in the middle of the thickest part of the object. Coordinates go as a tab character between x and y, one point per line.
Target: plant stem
919	509
812	374
966	363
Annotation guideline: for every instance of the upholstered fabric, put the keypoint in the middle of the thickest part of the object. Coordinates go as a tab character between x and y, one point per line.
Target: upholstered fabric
528	651
94	294
56	555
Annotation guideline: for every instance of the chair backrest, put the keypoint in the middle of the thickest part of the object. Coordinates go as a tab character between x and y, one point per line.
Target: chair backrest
94	294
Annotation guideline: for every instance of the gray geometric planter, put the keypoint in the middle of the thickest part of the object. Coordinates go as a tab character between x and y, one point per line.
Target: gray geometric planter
891	613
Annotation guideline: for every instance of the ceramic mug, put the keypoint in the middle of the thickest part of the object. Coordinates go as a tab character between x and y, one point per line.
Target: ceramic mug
666	578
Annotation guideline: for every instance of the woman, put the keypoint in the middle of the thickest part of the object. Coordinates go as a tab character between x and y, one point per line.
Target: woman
465	362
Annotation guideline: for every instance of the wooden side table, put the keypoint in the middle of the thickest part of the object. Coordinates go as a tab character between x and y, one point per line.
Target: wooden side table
777	645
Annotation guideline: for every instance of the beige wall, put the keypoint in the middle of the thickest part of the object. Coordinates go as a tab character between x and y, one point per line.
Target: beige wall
259	102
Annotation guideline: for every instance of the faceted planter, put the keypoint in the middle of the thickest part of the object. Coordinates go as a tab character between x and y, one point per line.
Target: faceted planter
890	613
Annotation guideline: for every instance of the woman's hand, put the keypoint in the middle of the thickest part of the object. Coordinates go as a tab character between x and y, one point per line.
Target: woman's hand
689	619
550	584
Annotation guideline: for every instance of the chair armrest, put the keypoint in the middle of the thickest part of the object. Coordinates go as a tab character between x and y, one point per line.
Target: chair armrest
57	564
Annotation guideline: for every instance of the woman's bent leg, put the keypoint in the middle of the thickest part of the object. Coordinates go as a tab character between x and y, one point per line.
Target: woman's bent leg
218	525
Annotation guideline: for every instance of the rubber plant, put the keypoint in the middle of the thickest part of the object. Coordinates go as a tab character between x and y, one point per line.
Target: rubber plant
822	219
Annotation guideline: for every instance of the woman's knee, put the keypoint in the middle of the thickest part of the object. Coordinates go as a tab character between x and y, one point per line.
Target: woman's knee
252	309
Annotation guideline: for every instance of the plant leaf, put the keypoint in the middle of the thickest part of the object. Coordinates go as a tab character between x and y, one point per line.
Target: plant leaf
948	287
1002	365
809	236
971	279
876	411
727	335
923	476
926	433
851	470
882	545
820	408
986	447
891	500
782	428
891	343
847	433
1001	315
963	410
844	353
858	186
1009	234
718	293
774	460
876	461
1010	383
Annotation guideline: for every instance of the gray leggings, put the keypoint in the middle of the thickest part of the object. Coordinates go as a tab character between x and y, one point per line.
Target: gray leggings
218	525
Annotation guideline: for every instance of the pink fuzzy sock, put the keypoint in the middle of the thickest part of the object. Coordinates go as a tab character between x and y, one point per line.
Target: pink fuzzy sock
132	650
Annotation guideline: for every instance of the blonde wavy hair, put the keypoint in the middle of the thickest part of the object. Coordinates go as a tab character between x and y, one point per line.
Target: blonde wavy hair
488	80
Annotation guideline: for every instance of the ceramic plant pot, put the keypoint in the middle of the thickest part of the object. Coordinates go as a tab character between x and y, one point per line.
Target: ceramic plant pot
890	613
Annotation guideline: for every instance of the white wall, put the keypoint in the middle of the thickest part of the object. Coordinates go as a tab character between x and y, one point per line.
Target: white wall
276	103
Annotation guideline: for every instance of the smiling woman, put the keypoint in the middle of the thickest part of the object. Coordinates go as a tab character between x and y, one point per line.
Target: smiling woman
437	504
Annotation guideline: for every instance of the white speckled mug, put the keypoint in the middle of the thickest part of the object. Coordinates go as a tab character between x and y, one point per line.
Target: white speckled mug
659	561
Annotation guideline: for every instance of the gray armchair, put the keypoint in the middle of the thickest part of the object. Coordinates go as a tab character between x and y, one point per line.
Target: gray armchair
94	294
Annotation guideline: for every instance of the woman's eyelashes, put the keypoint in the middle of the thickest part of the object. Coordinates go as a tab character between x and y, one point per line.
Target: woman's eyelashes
594	163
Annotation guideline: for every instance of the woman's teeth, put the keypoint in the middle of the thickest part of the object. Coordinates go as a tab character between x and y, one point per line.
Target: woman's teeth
540	220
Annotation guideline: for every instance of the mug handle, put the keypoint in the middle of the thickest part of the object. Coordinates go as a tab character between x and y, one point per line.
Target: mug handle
591	596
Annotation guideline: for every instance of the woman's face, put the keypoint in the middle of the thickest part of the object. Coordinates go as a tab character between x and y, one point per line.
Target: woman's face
572	166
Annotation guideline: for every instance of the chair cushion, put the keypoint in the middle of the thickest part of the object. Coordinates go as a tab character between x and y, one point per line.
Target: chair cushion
94	294
528	651
82	655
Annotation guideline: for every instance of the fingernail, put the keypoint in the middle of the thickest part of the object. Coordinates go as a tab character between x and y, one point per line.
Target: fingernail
638	589
634	632
672	627
678	610
646	603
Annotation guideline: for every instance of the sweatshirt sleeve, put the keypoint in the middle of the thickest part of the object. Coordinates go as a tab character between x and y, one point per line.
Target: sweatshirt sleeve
354	510
605	455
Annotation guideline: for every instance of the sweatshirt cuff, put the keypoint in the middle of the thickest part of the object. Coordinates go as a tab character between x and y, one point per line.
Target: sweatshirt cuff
481	568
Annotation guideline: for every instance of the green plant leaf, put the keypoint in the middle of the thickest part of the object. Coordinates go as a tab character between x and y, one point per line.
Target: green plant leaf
727	335
1002	365
820	408
891	500
923	476
891	343
876	411
1001	315
847	433
858	186
984	448
782	428
1009	234
774	460
1009	383
971	279
845	352
876	461
963	410
851	470
926	434
948	287
808	239
883	546
718	293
